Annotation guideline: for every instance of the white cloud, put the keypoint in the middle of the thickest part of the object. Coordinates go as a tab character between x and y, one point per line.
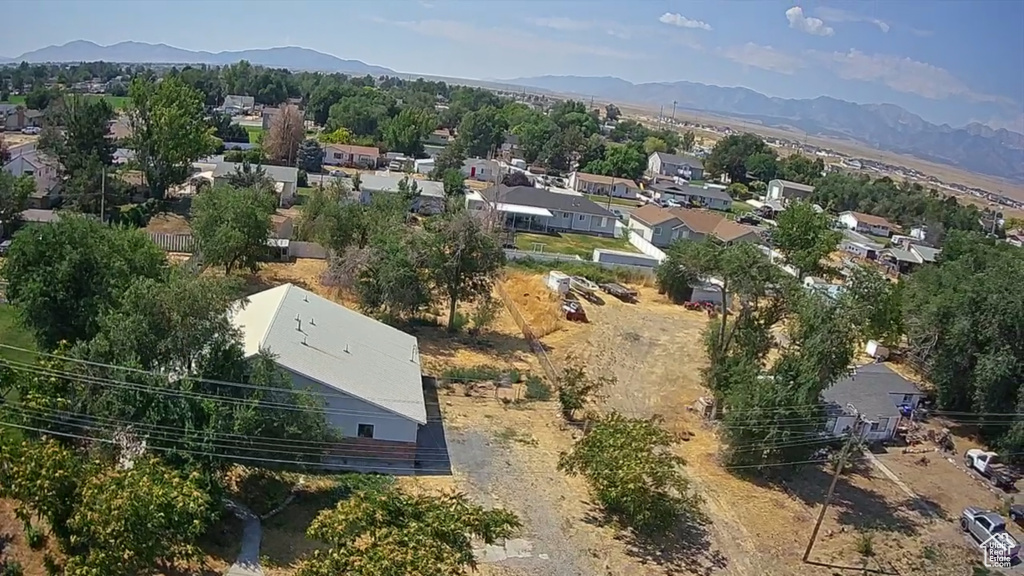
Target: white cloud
921	33
901	74
683	21
510	38
813	26
838	15
763	57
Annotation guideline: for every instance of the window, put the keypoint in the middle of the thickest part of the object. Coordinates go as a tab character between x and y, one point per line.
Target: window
365	431
657	230
874	426
565	214
337	155
908	398
28	172
582	217
604	221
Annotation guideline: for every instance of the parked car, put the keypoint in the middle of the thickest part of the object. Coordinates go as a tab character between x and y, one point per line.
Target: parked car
31	130
4	247
1017	513
989	529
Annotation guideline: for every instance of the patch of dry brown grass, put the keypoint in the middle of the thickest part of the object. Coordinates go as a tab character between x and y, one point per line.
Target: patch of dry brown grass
540	306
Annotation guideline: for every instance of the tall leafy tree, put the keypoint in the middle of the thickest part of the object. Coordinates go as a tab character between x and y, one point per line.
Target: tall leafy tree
227	130
804	236
80	142
481	132
232	225
14	193
62	275
311	156
249	175
391	532
168	131
763	166
405	132
688	141
393	282
877	304
730	154
634	475
621	161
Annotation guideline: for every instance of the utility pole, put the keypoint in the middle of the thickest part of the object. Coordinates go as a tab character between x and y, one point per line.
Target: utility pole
855	433
673	111
661	115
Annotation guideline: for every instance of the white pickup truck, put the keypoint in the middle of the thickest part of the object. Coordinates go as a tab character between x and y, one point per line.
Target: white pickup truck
989	530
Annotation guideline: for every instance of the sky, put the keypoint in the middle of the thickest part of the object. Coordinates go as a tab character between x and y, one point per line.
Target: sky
948	61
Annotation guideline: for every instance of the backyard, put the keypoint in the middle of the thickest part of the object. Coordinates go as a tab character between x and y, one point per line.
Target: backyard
582	245
255	133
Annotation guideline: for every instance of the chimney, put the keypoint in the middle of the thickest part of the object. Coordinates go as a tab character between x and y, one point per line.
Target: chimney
304	340
298	324
311	322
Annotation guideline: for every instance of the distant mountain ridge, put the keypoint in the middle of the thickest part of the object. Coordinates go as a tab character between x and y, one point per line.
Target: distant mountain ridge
291	57
975	147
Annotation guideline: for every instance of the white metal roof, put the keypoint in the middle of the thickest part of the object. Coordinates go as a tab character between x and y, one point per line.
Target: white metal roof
337	347
520	209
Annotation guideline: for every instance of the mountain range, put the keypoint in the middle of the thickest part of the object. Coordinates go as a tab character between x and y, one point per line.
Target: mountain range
975	147
292	57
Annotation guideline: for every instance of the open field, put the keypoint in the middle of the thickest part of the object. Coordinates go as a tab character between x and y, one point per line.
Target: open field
945	173
563	243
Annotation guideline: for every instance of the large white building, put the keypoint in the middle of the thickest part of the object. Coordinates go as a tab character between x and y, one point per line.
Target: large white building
367	372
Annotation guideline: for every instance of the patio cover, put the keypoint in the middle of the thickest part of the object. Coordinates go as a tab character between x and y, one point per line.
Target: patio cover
525	210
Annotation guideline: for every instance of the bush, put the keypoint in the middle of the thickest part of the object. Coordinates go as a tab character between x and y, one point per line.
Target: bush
11	567
35	537
302	180
350	483
459	321
479	374
536	389
866	545
485	314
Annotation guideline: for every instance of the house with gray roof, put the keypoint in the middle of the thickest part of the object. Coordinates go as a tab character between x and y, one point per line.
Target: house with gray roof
366	373
285	178
906	257
430	194
703	196
872	395
664	164
785	190
537	209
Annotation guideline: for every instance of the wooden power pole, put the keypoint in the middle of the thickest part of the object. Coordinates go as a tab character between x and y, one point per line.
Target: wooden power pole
855	434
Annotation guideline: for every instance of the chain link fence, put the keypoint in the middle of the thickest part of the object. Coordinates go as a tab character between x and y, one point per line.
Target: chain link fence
535	345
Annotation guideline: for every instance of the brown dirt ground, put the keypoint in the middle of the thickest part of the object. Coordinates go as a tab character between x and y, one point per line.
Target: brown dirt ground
169	223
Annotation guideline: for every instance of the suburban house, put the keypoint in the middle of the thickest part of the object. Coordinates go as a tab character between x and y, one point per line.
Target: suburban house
907	256
480	169
529	208
429	201
663	226
28	161
351	155
510	147
873	395
663	164
705	196
604	185
14	117
268	117
285	178
439	137
366	372
860	245
867	224
786	190
235	104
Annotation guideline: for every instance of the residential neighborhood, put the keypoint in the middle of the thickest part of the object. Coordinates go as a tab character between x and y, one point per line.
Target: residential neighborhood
295	321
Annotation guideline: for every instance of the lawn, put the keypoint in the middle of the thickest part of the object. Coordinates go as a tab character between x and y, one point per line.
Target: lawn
254	133
12	334
579	244
118	102
602	200
740	208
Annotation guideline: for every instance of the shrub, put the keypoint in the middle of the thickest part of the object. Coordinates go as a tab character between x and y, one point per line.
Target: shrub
866	544
536	389
11	567
485	314
459	321
589	270
302	180
35	537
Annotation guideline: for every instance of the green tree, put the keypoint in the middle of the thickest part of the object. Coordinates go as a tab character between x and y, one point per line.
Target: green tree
330	217
634	475
232	225
128	520
763	166
14	193
393	282
688	141
481	132
82	147
250	176
611	112
227	130
168	131
877	305
310	156
44	477
391	532
652	144
462	259
805	238
338	136
405	133
451	158
577	389
620	161
63	274
454	188
730	154
738	191
41	97
800	168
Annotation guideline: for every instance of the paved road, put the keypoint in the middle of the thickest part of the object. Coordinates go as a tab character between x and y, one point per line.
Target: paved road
248	562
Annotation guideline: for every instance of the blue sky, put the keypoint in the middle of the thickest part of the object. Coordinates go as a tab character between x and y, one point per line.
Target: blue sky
948	61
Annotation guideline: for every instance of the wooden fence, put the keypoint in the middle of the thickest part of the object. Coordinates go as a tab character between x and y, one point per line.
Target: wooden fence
535	345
